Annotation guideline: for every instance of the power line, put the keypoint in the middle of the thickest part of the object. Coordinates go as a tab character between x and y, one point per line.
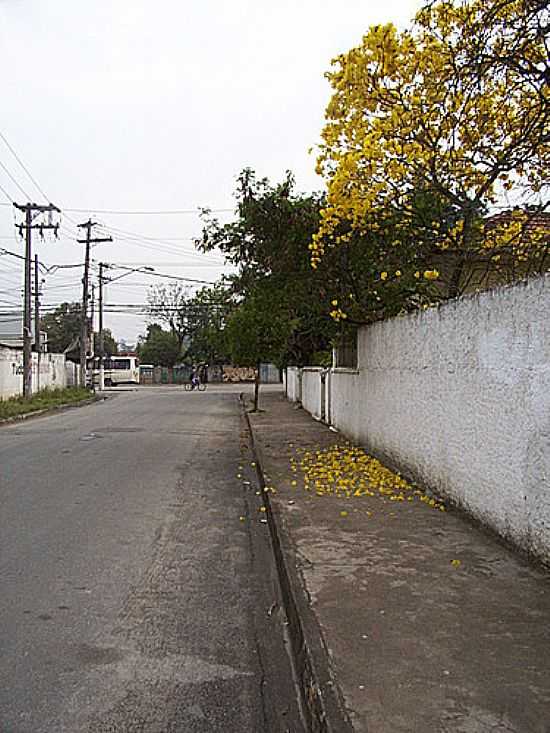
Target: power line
176	265
160	244
162	212
156	247
6	194
11	254
48	268
172	277
144	236
164	263
32	178
14	181
18	159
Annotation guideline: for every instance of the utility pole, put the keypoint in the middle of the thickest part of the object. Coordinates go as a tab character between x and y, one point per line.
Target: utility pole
92	312
37	344
88	226
30	211
101	337
92	332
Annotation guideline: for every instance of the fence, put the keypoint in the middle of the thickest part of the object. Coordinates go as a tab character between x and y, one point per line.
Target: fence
458	397
312	396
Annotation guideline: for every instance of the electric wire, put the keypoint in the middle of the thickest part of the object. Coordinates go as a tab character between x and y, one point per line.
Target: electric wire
18	159
161	212
6	194
9	253
159	244
14	181
172	277
151	247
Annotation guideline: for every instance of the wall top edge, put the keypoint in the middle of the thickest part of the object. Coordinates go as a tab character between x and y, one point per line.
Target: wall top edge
442	308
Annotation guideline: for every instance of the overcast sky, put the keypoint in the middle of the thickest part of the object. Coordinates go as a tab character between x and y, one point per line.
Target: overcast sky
139	106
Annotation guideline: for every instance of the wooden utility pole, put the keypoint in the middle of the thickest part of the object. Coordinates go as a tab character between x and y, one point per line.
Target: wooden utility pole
37	344
92	315
88	226
101	336
30	211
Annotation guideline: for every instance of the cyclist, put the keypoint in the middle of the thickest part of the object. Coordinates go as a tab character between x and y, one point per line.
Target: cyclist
195	379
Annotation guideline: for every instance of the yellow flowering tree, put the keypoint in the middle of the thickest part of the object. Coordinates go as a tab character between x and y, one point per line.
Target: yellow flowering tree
456	107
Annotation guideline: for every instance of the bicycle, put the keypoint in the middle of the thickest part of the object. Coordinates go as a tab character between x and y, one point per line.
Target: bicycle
195	384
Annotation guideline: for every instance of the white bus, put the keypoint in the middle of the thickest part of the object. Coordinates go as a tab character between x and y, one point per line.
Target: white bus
121	370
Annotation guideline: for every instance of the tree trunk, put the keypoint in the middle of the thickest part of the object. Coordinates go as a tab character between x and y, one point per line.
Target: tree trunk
256	387
465	254
454	282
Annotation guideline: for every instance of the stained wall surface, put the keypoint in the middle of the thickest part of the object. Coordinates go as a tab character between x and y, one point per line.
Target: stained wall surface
50	373
459	397
311	393
293	384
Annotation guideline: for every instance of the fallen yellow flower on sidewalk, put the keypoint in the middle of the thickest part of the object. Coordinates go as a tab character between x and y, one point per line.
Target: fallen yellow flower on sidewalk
455	563
346	470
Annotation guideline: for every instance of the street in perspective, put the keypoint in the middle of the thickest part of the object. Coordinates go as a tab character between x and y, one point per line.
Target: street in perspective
275	367
133	596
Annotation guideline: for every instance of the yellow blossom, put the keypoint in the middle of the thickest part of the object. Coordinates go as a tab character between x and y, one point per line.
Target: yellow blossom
431	274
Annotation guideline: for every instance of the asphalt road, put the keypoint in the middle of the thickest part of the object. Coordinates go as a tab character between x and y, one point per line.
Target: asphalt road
132	597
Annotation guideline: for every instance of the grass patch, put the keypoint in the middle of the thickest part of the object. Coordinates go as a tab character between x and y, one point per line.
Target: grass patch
43	400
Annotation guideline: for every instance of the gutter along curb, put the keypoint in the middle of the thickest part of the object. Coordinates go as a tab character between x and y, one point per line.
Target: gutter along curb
322	706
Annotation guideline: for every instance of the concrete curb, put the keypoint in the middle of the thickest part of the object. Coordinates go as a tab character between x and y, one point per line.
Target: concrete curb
51	410
322	705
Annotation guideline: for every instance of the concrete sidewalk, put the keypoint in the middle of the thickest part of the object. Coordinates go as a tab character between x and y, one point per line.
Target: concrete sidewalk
426	623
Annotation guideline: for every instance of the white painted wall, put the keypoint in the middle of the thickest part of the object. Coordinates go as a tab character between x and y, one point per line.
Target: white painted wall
459	397
72	374
11	372
293	384
327	396
311	390
52	372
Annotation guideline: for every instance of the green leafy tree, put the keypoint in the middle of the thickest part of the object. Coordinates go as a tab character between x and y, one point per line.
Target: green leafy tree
257	332
62	326
167	304
267	243
197	320
109	344
159	347
207	313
